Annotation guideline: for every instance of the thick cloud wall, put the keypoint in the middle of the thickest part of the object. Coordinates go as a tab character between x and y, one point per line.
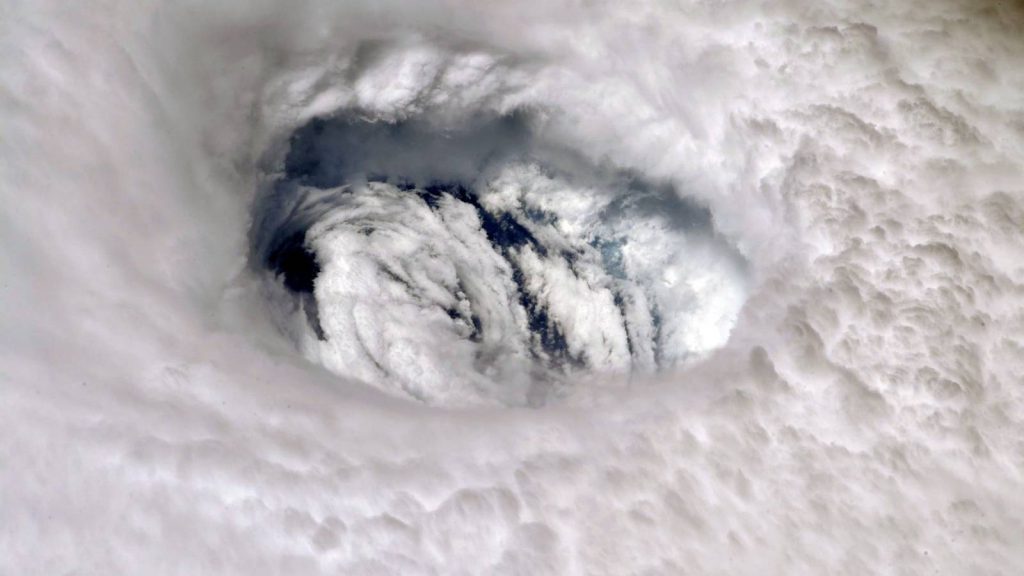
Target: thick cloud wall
846	399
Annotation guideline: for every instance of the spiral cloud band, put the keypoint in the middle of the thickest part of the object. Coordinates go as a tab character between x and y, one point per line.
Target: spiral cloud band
511	288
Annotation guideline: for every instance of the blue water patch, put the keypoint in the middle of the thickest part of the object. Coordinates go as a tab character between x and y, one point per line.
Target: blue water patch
611	256
295	263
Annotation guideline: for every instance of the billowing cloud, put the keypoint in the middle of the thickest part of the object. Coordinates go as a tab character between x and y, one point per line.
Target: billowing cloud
380	288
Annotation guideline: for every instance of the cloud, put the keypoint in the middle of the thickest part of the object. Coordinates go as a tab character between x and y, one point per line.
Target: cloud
859	165
478	265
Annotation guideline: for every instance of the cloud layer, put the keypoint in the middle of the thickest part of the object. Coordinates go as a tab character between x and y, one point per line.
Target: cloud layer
864	162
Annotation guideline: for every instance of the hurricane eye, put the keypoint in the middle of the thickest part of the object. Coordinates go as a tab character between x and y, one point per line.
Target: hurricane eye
479	263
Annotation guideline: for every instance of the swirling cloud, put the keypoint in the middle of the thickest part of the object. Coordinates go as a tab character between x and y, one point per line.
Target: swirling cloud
181	384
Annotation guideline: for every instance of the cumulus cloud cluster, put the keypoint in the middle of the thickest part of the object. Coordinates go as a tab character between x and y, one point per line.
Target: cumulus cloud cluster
853	170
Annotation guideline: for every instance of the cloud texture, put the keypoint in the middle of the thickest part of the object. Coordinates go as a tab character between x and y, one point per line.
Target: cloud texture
860	164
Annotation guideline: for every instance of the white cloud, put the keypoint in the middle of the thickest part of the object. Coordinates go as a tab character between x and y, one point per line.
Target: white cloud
866	160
